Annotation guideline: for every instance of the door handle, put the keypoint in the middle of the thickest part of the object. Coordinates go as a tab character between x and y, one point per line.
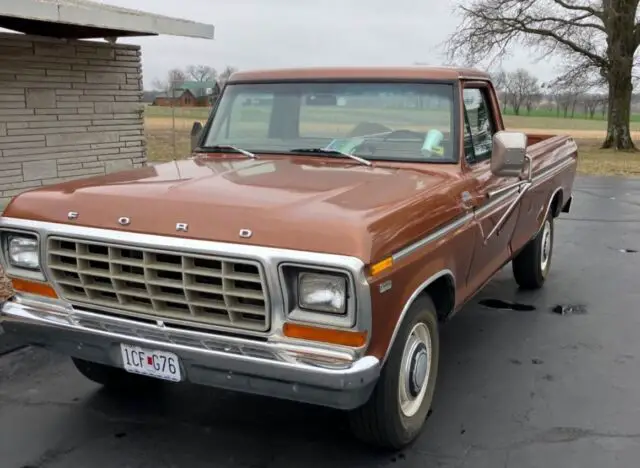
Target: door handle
467	201
470	202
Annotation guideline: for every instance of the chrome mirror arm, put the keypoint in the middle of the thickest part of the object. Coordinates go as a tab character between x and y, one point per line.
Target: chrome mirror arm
524	188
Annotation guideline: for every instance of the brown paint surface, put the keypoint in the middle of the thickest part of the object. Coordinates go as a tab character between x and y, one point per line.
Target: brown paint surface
327	205
391	73
302	203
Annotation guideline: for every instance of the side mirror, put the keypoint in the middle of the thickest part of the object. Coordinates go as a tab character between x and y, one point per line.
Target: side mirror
508	156
196	133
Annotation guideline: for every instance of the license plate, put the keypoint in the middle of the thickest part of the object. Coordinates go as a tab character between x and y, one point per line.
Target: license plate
150	362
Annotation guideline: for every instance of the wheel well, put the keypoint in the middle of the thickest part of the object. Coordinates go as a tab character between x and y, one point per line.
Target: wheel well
442	293
556	204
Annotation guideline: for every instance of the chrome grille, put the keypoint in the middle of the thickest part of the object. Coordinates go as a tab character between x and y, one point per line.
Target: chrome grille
149	283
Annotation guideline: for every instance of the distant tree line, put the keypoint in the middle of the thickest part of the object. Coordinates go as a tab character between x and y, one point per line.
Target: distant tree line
522	92
177	77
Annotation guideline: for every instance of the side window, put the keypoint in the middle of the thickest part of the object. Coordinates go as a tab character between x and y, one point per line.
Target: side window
479	126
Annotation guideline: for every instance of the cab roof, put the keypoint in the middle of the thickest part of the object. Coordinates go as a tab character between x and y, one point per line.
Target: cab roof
387	73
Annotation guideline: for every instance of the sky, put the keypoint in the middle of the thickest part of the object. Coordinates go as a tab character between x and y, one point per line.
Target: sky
292	33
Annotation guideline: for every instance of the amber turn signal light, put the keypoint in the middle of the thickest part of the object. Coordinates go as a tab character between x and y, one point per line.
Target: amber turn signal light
33	287
355	339
381	266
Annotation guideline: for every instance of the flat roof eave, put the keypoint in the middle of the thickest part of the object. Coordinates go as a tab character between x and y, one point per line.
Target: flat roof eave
81	19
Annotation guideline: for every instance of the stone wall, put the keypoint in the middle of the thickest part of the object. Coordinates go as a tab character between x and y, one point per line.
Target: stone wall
68	109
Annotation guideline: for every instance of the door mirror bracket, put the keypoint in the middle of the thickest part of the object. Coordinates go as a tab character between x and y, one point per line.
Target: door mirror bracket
196	133
508	159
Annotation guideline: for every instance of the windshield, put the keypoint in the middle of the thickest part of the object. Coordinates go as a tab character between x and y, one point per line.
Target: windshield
375	121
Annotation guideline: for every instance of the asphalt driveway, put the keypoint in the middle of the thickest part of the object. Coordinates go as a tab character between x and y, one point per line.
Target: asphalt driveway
518	388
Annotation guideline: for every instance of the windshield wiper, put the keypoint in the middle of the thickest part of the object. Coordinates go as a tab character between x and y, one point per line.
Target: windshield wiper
204	149
329	151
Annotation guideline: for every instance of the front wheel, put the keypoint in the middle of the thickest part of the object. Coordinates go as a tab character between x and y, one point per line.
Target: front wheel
531	265
395	414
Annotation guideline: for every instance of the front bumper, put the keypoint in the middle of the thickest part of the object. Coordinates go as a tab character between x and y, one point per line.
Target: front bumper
309	374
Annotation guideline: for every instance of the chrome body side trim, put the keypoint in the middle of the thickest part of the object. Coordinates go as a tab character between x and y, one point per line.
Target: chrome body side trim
311	373
553	170
506	188
495	198
456	224
434	236
269	257
410	301
503	219
499	201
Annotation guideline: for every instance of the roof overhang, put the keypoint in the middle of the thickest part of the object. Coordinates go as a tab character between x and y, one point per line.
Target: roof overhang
84	19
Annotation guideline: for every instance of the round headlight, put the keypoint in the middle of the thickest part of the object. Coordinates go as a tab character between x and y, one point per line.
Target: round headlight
23	252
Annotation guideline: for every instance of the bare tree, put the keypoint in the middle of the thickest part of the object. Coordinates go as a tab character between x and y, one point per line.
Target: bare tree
572	89
226	74
532	100
522	87
604	103
174	80
568	95
591	102
500	80
201	74
599	38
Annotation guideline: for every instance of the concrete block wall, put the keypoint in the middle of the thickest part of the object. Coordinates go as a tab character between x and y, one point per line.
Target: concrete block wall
68	110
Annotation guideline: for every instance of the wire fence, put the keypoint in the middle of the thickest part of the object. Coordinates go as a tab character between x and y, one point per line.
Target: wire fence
170	117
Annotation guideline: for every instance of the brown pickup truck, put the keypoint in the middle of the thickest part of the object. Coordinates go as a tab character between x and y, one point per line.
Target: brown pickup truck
326	225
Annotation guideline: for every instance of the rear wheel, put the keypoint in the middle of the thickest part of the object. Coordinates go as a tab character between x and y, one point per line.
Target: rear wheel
531	266
111	377
395	414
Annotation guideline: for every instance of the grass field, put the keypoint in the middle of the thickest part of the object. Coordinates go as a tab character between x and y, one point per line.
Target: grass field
589	133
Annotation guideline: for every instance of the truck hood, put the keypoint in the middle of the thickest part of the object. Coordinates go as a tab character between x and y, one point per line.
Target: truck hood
304	203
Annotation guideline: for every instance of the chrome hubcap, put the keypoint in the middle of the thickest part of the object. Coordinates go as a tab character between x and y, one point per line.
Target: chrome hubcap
546	246
414	370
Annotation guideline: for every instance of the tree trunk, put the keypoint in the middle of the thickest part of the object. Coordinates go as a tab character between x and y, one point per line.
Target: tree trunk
619	115
621	46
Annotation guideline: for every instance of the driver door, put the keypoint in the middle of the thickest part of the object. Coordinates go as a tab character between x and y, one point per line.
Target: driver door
492	250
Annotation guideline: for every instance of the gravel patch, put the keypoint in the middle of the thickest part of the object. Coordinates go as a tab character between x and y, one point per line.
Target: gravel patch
5	286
